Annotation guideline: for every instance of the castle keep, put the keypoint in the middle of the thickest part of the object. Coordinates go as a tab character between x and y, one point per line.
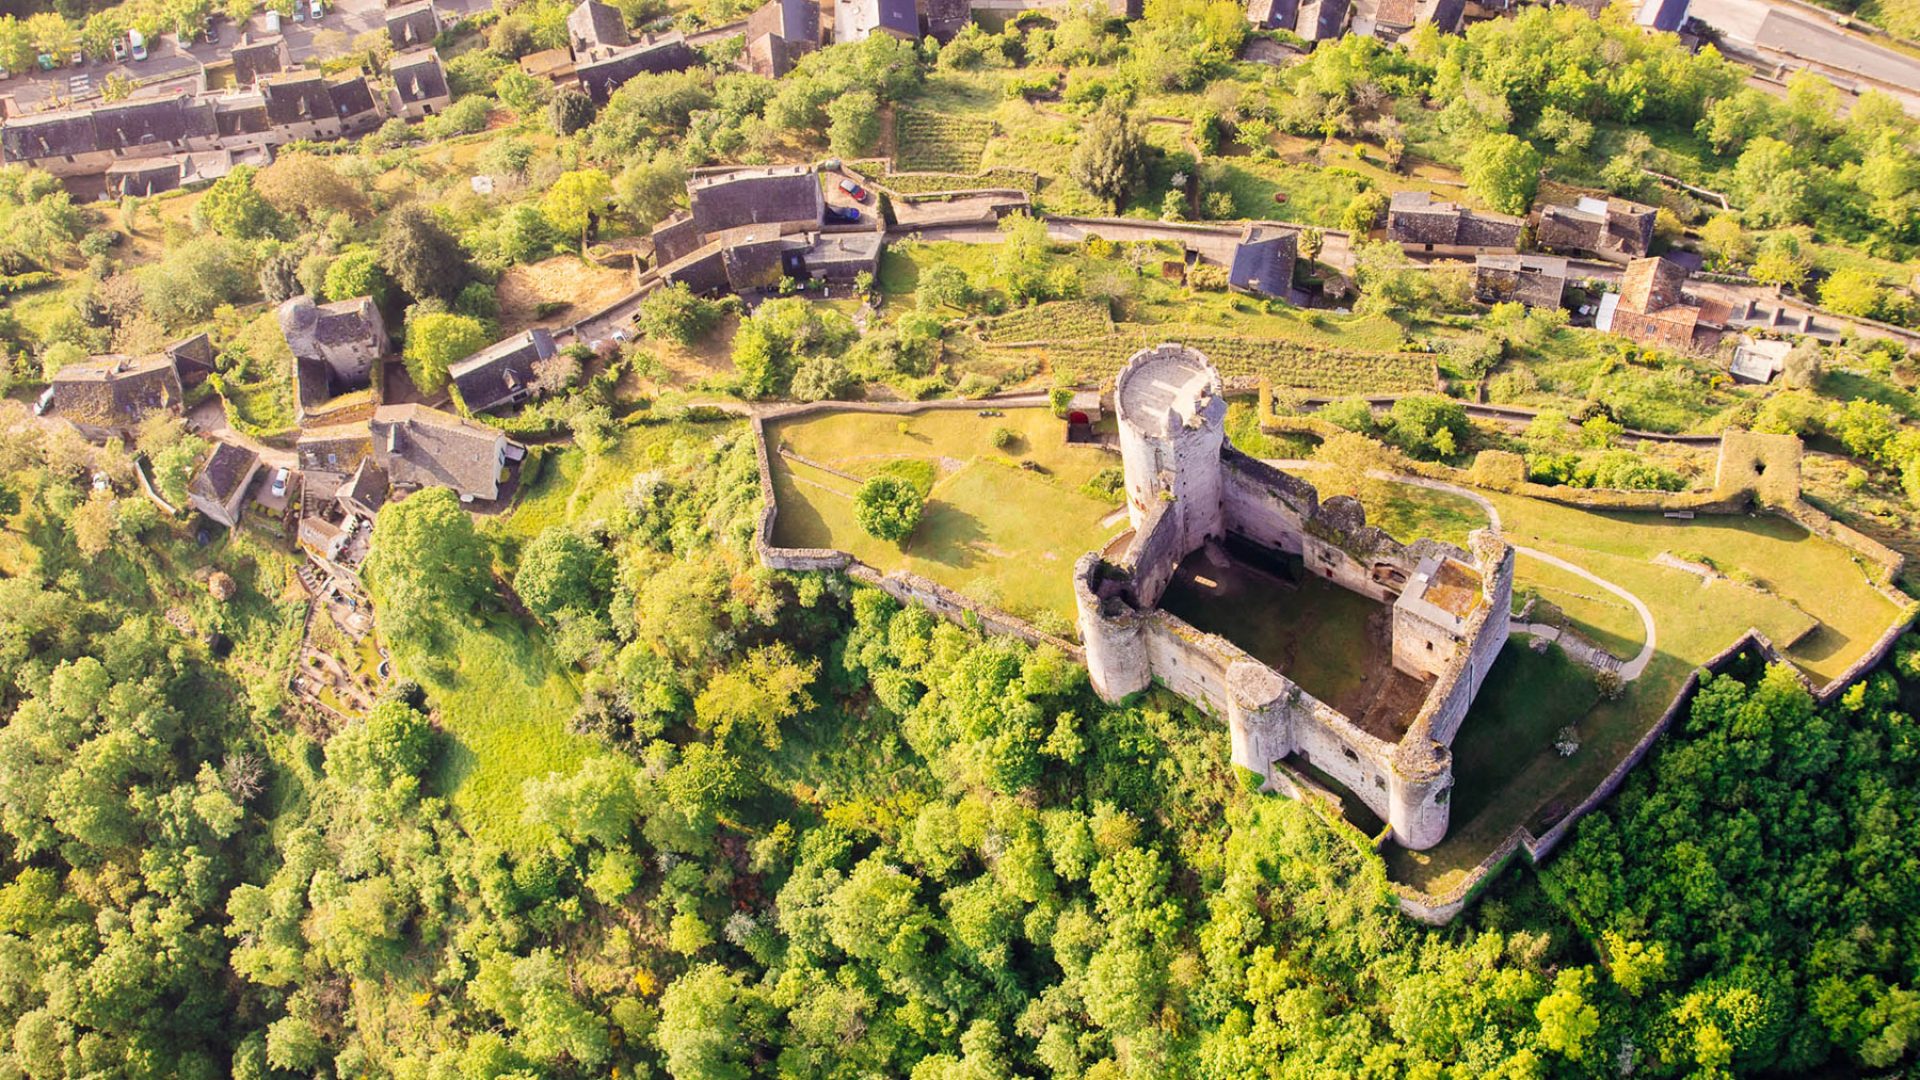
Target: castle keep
1208	522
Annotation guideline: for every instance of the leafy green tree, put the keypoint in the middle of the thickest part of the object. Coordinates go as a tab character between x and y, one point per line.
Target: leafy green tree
1727	244
521	92
853	123
1781	262
356	273
435	341
1109	160
231	207
768	346
562	570
757	695
1503	170
421	256
1771	183
1364	212
888	508
649	188
673	313
1020	260
1853	290
943	285
576	201
192	279
426	561
307	186
702	1029
17	51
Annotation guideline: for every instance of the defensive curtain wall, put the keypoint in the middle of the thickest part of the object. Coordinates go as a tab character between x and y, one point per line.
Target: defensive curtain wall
1186	488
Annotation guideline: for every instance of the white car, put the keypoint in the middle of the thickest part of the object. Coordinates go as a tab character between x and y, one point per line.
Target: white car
318	9
280	484
46	402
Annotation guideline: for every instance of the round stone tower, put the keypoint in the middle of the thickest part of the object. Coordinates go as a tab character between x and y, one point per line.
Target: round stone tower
1111	633
1172	414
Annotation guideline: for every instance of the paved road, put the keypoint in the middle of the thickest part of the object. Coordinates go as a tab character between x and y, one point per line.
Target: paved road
173	66
1797	32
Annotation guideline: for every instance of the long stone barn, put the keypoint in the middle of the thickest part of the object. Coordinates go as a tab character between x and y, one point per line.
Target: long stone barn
1253	552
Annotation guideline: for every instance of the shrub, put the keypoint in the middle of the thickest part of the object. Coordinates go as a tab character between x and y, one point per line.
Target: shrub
888	508
1003	437
675	314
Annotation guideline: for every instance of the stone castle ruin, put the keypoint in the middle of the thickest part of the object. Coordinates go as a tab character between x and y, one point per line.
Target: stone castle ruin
1400	636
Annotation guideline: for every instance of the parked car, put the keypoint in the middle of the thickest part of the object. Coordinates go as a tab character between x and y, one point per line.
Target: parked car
136	45
46	402
845	215
280	484
119	49
318	9
859	193
211	30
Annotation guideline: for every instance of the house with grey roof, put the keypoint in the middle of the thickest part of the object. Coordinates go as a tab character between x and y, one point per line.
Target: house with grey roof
746	229
1263	261
601	76
1423	225
151	176
943	19
364	492
334	347
192	359
419	84
595	30
88	142
331	453
1312	20
779	33
420	447
219	489
253	57
1526	278
771	194
108	396
839	257
1394	19
502	374
412	26
855	20
306	105
1616	230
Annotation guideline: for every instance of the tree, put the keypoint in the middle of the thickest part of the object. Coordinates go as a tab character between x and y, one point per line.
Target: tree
1853	290
888	508
561	569
1781	262
757	695
1364	212
1352	462
673	313
571	110
16	44
521	92
1021	258
769	346
308	187
1567	1022
701	1029
434	342
943	285
356	273
231	207
192	279
648	189
1110	157
853	123
1728	246
421	256
1771	183
576	201
1503	170
426	560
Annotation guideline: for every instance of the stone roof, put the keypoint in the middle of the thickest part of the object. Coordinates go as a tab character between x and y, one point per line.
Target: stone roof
145	176
337	323
313	382
1322	20
254	57
1263	260
594	25
1649	285
410	26
116	391
192	356
1605	227
333	449
154	120
600	78
830	250
500	370
794	20
945	18
1535	280
418	76
1396	13
423	447
241	114
297	97
1166	387
226	469
351	96
366	488
771	194
1415	217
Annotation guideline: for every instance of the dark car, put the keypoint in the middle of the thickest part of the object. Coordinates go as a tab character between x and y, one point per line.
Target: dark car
212	30
843	215
859	193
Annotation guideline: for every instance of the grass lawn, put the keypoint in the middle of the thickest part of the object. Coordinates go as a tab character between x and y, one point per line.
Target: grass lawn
991	529
576	486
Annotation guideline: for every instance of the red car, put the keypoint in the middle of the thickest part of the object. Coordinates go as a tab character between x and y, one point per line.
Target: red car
859	193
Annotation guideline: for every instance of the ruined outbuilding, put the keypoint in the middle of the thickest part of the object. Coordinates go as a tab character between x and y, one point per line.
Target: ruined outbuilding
1442	612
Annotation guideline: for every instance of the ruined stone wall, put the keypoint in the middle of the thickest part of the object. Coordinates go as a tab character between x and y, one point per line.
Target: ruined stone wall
1421	647
1284	512
1361	763
1158	546
961	610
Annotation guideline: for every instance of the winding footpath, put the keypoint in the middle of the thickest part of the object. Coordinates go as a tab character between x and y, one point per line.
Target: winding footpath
1629	670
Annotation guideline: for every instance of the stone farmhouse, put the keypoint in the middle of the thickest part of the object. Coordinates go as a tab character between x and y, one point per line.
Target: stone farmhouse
601	76
1263	261
151	176
1394	19
746	229
595	31
219	490
502	374
1653	308
779	33
1312	20
334	348
419	84
1534	280
107	397
1200	508
418	447
412	26
1611	229
1423	226
254	57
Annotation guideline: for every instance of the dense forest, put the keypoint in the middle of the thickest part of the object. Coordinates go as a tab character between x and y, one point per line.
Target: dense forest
825	835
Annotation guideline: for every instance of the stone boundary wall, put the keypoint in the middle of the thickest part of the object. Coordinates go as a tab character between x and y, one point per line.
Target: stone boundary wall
1441	910
958	609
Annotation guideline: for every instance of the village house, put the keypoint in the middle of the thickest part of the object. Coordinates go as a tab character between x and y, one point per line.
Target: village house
595	31
412	26
192	359
855	20
419	447
1394	19
1312	20
1263	261
107	397
254	57
419	84
1652	308
1534	280
1612	229
219	489
601	76
151	176
779	33
328	455
942	20
88	142
306	105
502	374
1758	360
1422	225
334	346
746	229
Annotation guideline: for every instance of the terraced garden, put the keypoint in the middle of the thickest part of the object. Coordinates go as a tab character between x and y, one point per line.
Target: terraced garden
939	142
1293	365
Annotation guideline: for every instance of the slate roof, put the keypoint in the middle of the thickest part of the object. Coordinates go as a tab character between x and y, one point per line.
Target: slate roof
500	370
351	96
226	469
1605	227
843	255
1415	217
1534	280
116	391
779	32
297	98
152	120
600	78
192	357
1273	14
366	489
777	193
50	134
253	58
1322	20
418	76
423	447
945	18
333	449
1668	15
241	114
145	176
1263	261
900	16
313	382
594	25
410	26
